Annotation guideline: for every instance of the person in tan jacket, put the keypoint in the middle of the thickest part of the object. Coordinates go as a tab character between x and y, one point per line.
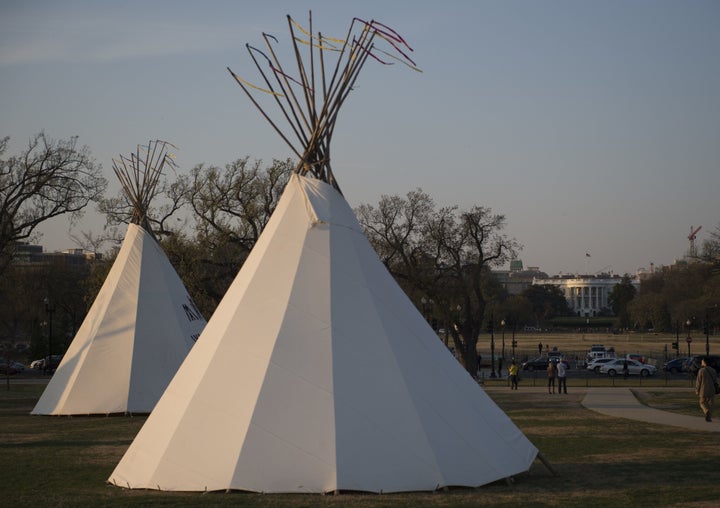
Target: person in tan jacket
705	388
551	373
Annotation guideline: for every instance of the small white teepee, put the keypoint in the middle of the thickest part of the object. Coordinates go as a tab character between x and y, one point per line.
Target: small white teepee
316	373
139	329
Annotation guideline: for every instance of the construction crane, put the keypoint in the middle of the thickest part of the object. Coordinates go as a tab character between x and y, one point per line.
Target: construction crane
692	236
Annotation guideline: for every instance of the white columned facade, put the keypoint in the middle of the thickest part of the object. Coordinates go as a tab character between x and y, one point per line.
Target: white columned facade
586	296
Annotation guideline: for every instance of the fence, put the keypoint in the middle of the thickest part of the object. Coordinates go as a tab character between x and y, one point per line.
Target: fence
586	378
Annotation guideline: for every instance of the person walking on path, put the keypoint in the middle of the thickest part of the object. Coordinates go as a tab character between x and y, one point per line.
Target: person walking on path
513	371
562	377
626	370
551	371
705	388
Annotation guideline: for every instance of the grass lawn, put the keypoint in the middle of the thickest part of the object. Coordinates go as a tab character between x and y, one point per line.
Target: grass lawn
601	461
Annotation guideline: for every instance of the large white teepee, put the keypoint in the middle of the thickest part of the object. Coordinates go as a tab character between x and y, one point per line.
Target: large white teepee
138	331
316	373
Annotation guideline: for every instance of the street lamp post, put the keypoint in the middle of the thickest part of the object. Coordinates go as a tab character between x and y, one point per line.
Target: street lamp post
514	342
492	347
707	332
502	324
50	309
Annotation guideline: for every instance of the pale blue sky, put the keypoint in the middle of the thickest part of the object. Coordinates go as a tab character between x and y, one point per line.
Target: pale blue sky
594	126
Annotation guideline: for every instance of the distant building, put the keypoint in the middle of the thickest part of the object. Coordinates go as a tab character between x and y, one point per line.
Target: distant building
586	295
517	279
32	255
26	253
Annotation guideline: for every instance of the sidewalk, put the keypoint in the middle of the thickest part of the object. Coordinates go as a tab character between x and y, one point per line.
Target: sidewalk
622	403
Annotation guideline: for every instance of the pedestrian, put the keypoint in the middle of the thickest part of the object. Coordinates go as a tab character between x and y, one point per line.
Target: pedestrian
626	369
500	362
562	377
540	349
513	371
705	388
551	372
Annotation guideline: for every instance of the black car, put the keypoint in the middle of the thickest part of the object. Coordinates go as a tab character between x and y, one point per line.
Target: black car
51	363
693	365
676	365
540	363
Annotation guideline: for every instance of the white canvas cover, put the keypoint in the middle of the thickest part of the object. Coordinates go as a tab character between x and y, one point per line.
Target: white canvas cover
138	331
316	373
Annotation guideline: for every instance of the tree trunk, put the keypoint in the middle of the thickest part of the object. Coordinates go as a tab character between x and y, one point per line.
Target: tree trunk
467	351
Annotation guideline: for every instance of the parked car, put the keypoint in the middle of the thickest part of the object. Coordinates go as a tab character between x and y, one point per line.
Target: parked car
540	363
636	357
52	363
484	362
615	368
595	364
7	369
693	365
37	364
676	365
600	351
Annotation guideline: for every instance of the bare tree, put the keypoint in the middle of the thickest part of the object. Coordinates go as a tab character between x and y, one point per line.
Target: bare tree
231	207
442	256
48	179
711	249
235	204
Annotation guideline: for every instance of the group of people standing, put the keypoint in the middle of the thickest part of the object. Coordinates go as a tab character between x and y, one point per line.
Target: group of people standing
557	370
706	383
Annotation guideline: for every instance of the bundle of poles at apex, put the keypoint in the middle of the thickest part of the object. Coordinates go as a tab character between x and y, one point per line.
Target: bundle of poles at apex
139	175
322	87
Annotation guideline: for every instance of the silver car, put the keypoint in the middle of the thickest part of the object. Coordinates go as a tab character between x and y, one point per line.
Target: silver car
594	365
615	368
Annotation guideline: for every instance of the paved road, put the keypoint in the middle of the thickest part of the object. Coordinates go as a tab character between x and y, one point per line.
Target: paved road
622	403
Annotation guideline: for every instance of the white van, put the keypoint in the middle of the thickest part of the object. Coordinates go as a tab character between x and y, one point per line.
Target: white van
600	351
